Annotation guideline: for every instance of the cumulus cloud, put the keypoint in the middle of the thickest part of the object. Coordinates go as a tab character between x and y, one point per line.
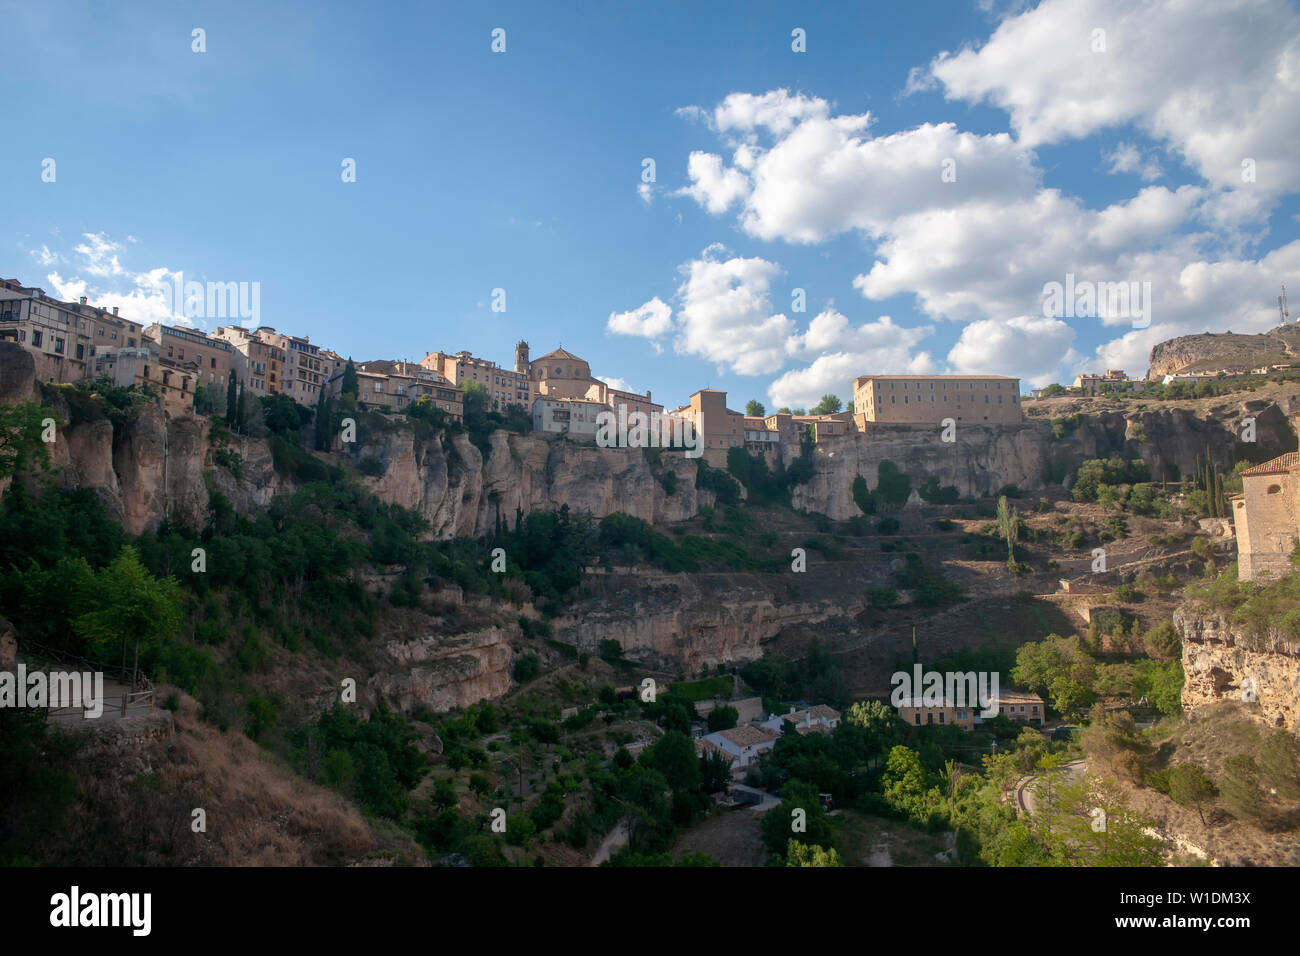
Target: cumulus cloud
1028	347
95	271
1215	82
726	313
1128	158
843	352
824	175
650	320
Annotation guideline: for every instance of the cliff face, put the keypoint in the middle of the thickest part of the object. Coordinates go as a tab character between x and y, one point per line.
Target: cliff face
1214	351
440	672
980	462
461	494
1221	661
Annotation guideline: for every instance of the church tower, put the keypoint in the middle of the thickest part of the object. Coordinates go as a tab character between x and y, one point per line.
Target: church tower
521	357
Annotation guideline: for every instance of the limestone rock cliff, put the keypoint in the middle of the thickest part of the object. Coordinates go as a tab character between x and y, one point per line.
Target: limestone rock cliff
690	621
1210	351
979	462
462	494
1222	660
429	669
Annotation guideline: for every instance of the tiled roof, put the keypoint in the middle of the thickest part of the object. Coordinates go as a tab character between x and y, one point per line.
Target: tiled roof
748	736
557	354
1278	466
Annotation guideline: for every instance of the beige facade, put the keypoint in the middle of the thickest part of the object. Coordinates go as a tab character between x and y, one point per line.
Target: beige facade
575	417
391	386
62	337
1012	704
173	381
505	387
928	399
262	357
297	369
215	359
1266	518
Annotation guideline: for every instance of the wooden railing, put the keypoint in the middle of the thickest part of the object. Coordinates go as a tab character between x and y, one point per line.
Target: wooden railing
143	690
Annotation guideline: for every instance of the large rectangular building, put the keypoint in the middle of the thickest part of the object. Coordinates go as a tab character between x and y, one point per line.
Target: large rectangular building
928	399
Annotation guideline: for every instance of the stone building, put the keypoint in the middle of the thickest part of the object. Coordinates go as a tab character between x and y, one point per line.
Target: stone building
174	381
1266	518
391	386
928	399
264	359
215	359
62	337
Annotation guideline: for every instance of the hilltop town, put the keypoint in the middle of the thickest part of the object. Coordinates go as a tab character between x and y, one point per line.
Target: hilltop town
192	369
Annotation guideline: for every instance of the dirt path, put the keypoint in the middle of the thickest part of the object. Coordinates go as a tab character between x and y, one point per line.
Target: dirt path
614	841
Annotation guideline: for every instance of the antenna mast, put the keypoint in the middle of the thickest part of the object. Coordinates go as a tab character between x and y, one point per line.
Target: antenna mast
1281	306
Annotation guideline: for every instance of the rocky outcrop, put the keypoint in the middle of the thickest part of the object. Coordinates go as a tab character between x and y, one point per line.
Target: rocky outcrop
1223	660
981	460
463	494
1210	351
690	621
439	672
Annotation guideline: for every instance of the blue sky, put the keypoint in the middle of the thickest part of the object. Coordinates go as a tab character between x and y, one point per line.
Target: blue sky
1116	158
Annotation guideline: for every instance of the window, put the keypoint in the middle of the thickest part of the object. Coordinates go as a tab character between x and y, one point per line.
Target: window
379	386
36	338
58	346
1272	489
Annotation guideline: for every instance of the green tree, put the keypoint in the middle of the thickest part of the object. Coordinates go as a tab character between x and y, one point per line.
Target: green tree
723	718
349	386
20	437
829	405
674	757
892	485
1060	667
754	409
804	854
133	608
1190	786
1008	527
232	403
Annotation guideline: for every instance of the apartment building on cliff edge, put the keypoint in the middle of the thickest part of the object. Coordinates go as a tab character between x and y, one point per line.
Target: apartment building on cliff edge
928	399
1266	518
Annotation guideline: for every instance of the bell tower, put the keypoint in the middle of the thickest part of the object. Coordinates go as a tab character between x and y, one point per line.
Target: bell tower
521	357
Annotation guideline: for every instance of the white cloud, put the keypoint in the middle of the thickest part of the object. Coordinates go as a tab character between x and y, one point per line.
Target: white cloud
879	347
646	191
622	384
726	314
650	320
713	187
825	175
1032	348
1128	158
100	255
1215	82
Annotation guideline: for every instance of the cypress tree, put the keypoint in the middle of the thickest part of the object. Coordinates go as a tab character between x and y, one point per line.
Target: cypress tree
349	386
232	403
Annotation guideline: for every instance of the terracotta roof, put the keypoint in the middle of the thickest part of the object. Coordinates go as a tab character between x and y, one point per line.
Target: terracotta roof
747	736
558	354
1278	466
